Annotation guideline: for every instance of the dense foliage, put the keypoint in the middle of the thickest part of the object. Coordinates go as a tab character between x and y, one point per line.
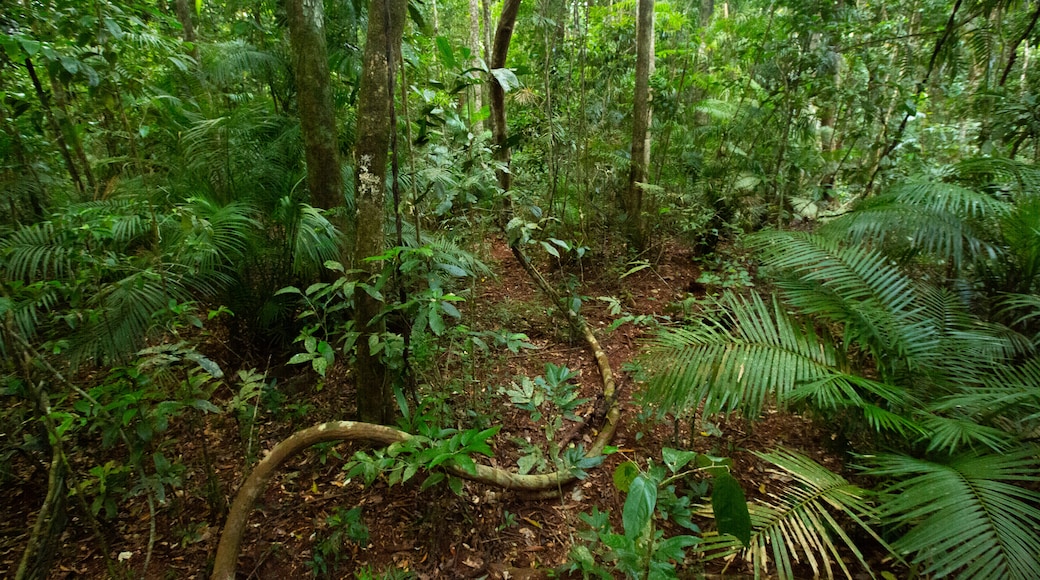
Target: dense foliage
857	180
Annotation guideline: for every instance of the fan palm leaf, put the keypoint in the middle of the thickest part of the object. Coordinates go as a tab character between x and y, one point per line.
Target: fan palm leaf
969	516
799	523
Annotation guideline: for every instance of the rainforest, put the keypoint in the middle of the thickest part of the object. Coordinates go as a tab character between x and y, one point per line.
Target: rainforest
422	289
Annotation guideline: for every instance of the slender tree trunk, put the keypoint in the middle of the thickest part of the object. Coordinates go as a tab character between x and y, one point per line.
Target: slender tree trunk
183	10
59	136
1024	37
37	199
65	121
314	99
632	200
474	45
499	51
375	101
898	137
485	21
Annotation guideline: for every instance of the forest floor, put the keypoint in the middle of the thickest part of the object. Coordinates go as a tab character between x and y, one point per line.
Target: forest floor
433	533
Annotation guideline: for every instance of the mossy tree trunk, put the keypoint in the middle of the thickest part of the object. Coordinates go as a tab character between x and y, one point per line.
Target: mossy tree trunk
375	99
310	61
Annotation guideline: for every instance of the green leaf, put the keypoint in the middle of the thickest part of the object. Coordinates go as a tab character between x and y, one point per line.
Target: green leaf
676	459
436	322
198	7
730	508
625	474
205	406
300	357
432	480
446	53
450	309
319	364
506	78
639	507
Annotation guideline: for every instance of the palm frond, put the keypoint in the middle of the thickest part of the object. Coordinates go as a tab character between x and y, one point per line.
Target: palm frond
209	237
798	523
940	219
312	238
851	272
36	252
767	354
954	433
969	516
876	304
122	313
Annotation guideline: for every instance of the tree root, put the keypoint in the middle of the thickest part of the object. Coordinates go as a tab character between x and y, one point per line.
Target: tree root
234	528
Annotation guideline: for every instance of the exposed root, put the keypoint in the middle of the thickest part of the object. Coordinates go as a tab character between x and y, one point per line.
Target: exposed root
234	528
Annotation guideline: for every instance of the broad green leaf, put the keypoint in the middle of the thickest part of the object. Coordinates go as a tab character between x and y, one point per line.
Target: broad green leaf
506	78
676	459
446	53
436	322
624	474
639	507
730	508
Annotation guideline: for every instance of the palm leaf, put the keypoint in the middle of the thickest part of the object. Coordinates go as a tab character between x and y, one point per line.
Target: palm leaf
36	252
798	524
943	220
968	516
767	354
878	306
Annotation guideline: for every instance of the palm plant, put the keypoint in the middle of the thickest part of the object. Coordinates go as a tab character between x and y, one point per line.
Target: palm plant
881	318
800	523
112	269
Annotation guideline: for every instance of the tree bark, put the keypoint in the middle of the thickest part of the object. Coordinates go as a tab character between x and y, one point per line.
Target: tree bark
59	136
65	121
632	200
499	51
314	99
375	100
183	10
475	92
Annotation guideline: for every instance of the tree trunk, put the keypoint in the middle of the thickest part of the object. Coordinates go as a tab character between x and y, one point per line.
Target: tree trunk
632	200
499	51
314	100
59	136
183	10
475	100
71	135
375	101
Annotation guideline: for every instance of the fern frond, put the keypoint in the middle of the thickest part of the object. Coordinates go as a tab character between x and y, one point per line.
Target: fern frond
970	516
766	355
798	523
